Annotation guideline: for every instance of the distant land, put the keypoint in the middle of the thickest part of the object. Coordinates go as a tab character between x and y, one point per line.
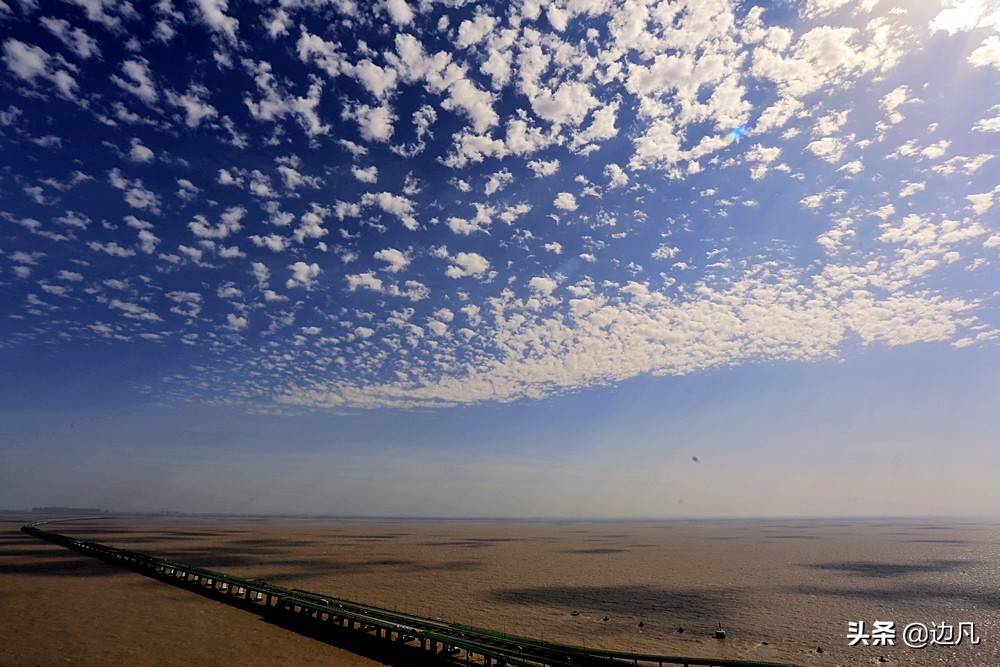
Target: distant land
68	510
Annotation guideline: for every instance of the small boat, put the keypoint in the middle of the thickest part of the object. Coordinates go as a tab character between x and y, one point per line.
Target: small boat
719	632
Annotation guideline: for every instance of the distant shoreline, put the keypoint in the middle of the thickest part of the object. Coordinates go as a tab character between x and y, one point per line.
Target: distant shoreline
511	519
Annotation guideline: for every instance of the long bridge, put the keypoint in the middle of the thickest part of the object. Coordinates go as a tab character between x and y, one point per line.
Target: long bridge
437	641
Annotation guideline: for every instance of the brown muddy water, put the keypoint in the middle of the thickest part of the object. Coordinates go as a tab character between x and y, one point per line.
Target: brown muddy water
784	590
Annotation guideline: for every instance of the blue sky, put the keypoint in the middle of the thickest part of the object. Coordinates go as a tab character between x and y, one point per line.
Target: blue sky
500	259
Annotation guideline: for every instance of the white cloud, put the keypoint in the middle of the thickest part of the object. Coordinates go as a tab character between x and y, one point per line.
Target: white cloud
357	150
229	223
665	251
412	290
936	149
147	241
22	257
614	336
75	39
512	213
225	177
473	31
111	248
366	280
311	224
982	202
498	181
379	81
814	8
989	124
601	128
136	195
442	75
54	290
543	285
193	254
293	179
134	310
909	189
966	165
140	153
616	175
236	322
303	275
189	304
260	273
437	327
569	104
368	175
396	260
988	54
140	80
398	205
465	264
273	242
213	13
852	168
326	55
893	100
188	190
74	219
260	185
399	11
278	24
196	109
30	62
963	15
98	11
231	252
480	222
544	167
828	148
374	123
829	195
565	201
275	103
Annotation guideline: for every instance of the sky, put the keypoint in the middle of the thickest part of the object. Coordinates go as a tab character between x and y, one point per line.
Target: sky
584	258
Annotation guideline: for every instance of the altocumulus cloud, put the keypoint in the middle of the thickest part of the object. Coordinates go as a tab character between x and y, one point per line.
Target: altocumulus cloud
430	205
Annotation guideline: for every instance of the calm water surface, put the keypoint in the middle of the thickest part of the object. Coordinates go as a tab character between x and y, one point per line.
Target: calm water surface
784	590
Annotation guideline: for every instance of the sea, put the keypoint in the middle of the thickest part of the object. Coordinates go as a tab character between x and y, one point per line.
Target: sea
911	591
